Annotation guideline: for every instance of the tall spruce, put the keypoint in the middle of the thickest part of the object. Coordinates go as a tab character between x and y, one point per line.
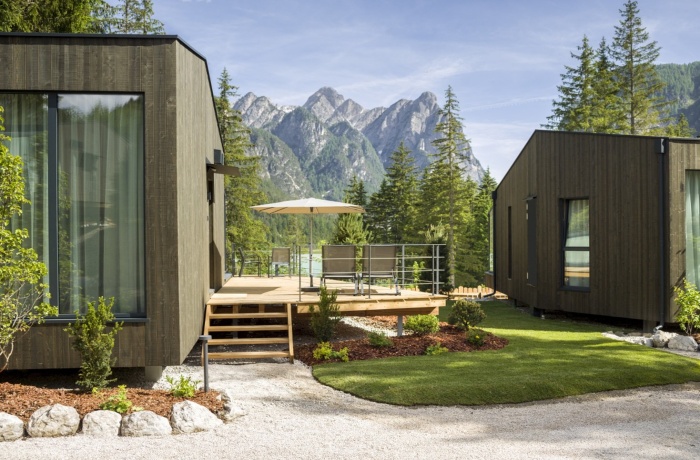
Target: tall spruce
607	114
243	230
447	168
135	17
351	228
392	209
640	85
573	110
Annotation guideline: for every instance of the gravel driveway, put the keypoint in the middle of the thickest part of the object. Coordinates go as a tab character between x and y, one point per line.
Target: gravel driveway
290	415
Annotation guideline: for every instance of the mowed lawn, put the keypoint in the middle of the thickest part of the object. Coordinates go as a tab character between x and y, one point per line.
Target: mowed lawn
545	359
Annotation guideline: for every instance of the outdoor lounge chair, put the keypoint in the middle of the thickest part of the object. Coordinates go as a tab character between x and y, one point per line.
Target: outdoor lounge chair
379	262
338	262
281	256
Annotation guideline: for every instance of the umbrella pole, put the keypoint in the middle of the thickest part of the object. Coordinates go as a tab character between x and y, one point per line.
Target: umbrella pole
311	249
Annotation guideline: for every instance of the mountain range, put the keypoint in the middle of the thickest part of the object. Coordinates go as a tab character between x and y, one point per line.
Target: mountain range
315	149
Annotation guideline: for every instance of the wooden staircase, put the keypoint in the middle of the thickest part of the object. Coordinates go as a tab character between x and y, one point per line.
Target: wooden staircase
259	325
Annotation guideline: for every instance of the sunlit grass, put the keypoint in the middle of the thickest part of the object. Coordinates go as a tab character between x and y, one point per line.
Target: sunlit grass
545	359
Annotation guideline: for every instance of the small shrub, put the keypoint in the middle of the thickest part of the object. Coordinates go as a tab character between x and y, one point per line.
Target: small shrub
184	387
324	352
422	324
379	340
466	314
94	344
326	317
118	402
688	301
476	337
436	349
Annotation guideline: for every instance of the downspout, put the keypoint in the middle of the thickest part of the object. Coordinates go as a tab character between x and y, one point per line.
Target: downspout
661	148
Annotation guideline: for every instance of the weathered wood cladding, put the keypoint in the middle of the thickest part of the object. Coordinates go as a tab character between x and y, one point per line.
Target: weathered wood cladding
683	155
620	177
180	134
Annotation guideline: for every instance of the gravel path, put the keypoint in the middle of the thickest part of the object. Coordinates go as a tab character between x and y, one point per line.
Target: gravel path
290	415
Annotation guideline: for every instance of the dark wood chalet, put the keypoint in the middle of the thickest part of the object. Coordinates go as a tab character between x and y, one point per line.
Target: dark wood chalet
599	224
120	141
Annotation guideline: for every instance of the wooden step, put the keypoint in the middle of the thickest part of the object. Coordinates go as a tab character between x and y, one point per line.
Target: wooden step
249	327
247	341
266	315
250	354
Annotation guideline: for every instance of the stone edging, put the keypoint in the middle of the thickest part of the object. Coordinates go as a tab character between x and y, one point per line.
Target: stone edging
58	420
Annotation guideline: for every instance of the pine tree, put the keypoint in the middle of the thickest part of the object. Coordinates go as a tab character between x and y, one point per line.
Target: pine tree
402	194
243	229
577	97
640	85
136	17
446	172
351	228
378	214
607	114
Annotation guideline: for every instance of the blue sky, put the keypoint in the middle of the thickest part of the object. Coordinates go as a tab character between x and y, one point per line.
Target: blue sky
502	58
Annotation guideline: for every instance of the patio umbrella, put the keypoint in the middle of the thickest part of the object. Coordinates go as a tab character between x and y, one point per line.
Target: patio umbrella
309	206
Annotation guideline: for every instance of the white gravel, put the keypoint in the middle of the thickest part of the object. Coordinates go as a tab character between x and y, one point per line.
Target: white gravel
290	415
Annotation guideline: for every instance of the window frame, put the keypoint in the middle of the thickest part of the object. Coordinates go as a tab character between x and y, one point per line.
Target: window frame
564	210
52	146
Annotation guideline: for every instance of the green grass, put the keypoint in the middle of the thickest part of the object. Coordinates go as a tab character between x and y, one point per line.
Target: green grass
545	359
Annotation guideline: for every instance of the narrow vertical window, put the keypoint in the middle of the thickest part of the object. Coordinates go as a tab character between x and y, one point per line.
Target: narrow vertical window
576	251
510	244
532	241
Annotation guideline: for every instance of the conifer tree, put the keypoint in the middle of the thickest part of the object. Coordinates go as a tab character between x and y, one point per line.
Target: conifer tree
446	172
572	112
607	114
640	85
243	229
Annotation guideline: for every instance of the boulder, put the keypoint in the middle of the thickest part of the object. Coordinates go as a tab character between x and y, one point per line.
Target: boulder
661	338
52	421
145	423
683	342
102	423
190	417
230	411
11	427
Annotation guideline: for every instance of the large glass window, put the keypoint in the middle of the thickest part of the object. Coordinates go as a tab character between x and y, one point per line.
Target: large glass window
577	244
87	173
692	226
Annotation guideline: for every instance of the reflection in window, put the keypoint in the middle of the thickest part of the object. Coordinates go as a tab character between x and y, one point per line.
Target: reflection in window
100	190
26	119
577	245
692	226
96	243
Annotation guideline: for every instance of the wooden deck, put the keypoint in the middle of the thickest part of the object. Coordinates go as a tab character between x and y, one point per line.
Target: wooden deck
382	301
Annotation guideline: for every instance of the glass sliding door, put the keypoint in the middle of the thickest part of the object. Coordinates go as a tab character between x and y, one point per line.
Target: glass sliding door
83	168
692	227
100	195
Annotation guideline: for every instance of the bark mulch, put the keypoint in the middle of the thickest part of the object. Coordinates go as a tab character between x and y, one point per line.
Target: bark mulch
449	337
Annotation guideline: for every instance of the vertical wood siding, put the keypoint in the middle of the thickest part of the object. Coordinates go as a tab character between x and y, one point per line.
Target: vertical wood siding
619	176
180	133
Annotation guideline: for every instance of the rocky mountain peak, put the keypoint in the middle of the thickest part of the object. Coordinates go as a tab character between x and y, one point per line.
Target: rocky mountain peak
324	102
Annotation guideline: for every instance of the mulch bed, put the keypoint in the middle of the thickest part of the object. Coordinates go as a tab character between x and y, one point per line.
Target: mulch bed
449	337
22	400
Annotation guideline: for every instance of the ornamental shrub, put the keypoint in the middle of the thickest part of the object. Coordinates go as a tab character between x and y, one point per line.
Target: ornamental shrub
422	324
118	402
379	340
688	301
324	351
435	349
326	317
466	314
184	387
94	343
23	293
476	337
